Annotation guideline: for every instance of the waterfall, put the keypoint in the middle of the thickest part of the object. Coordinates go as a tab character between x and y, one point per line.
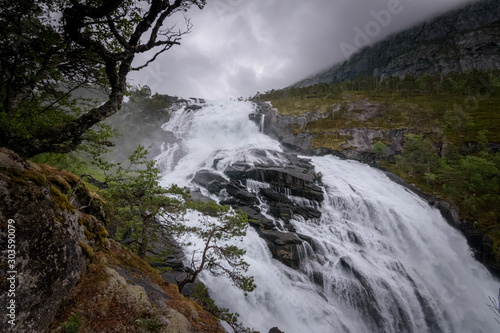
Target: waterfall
262	119
380	260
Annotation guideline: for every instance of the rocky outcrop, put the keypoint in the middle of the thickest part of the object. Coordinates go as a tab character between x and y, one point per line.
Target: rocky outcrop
279	127
119	292
65	275
461	40
359	146
287	189
292	134
49	247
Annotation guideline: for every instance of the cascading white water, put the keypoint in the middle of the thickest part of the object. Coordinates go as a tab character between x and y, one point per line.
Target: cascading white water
382	260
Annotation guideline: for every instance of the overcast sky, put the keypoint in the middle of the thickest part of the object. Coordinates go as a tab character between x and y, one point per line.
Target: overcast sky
239	47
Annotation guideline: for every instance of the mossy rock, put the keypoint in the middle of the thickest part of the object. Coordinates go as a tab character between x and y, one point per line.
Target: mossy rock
61	200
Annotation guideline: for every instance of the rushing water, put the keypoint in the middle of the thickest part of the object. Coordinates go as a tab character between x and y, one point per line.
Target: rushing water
382	260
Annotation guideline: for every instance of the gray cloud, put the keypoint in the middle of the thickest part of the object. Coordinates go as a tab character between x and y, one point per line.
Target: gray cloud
239	47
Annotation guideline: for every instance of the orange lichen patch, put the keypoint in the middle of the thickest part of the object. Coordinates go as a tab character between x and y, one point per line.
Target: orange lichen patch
47	169
39	178
68	176
61	176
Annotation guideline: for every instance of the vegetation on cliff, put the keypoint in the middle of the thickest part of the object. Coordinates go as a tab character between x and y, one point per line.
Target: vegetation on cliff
452	135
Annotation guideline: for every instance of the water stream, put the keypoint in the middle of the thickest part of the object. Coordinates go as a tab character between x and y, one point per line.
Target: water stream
382	260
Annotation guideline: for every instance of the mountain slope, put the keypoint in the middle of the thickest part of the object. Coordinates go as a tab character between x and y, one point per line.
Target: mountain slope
461	40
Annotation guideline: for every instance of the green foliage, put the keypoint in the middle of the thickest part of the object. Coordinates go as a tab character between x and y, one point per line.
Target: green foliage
474	183
135	197
74	323
379	148
419	155
457	120
151	324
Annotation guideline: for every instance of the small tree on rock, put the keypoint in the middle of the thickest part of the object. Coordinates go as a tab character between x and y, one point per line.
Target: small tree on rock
218	225
379	149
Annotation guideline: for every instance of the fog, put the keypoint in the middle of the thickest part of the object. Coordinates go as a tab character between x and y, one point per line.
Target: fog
237	47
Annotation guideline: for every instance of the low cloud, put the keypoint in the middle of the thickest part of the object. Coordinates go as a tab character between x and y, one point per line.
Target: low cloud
237	47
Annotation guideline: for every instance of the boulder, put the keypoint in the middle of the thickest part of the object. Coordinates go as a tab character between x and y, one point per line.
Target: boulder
275	330
255	217
212	181
51	248
241	193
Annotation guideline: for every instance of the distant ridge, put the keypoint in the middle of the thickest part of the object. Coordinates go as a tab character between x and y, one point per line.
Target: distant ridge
461	40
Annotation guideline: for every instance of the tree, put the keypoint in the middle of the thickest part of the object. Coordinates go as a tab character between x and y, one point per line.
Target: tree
135	197
419	156
457	120
379	148
217	227
92	43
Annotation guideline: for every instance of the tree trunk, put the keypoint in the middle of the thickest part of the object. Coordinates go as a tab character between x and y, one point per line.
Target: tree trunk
146	230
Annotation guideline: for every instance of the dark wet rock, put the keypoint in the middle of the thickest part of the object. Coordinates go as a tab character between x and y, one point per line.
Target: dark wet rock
280	237
275	330
282	176
241	194
193	107
307	212
283	246
298	180
255	217
213	182
196	195
273	196
282	211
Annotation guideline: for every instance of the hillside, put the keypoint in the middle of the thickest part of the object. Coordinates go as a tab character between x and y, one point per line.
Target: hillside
84	281
459	41
440	133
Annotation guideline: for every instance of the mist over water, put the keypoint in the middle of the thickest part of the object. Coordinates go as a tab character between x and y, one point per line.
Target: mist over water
381	259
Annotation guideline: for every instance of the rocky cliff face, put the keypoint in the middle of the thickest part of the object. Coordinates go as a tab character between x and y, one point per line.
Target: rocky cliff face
292	134
462	40
64	275
279	127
